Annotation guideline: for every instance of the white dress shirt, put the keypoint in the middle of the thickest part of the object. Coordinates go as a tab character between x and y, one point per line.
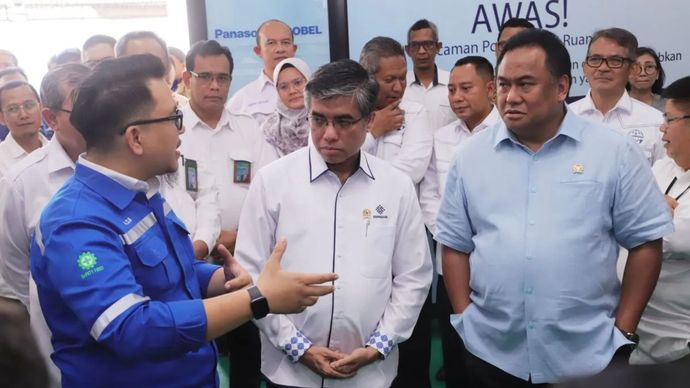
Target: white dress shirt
235	138
25	190
434	97
369	231
11	152
257	99
431	188
664	329
408	148
199	210
630	117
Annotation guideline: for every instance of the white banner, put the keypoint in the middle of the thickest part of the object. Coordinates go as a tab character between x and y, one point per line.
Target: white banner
470	27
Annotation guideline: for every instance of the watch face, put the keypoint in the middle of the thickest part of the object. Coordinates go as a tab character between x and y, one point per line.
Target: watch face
259	304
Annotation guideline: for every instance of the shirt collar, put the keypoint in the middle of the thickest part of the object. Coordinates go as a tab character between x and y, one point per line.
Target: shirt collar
624	103
57	157
191	119
263	81
416	81
118	188
15	150
317	166
571	127
490	119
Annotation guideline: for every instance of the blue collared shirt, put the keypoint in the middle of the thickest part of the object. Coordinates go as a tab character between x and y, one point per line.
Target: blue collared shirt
119	286
542	231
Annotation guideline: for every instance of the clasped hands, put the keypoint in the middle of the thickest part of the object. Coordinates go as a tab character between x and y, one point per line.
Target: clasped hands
331	364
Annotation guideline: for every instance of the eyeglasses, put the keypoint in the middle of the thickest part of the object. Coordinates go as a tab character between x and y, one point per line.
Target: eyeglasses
669	120
427	44
296	83
28	106
222	79
177	118
647	69
613	62
339	123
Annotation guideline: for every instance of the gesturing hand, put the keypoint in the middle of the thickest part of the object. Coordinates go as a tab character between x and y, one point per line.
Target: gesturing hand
236	277
290	292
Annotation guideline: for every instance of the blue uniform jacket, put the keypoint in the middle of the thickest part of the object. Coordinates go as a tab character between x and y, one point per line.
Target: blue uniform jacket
120	288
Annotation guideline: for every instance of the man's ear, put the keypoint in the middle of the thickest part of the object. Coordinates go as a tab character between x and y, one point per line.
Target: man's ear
134	140
50	117
186	78
2	119
257	50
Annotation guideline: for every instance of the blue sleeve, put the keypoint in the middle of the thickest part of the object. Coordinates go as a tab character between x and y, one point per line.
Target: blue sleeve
640	213
204	272
86	264
453	221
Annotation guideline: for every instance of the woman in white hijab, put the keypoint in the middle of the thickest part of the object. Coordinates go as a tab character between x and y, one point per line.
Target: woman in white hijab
287	129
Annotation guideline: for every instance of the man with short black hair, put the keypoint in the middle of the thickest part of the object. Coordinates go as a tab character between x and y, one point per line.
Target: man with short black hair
532	281
234	150
426	83
508	29
471	89
663	328
608	65
8	74
114	266
342	209
97	48
20	111
274	42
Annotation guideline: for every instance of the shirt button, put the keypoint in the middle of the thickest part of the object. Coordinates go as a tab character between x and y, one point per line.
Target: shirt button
340	226
530	325
530	257
531	222
533	190
529	290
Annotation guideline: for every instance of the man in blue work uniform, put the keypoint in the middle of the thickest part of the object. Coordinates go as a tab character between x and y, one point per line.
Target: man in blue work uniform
114	266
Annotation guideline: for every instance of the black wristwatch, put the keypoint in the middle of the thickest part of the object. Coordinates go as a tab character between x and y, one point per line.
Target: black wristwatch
259	304
632	337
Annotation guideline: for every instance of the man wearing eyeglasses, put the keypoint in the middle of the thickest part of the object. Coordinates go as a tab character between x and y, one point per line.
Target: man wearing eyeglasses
28	187
20	111
345	210
195	201
608	65
274	42
234	150
663	328
426	83
124	298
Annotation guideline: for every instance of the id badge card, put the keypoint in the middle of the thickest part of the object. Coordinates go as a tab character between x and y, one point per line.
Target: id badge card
242	171
191	174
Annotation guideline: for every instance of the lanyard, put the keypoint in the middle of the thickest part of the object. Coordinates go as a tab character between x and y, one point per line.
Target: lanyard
671	185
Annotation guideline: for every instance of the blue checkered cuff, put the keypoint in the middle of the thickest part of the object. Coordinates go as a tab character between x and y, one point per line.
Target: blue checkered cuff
296	346
381	342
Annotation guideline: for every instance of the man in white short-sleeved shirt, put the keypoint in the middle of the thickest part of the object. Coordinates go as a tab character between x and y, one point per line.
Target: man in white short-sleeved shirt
426	83
274	42
608	64
342	209
470	90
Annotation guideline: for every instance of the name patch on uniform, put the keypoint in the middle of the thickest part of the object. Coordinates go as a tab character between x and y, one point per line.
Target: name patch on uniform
88	262
191	175
242	171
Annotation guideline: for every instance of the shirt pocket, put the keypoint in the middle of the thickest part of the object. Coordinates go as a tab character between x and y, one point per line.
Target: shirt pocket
394	138
376	250
152	269
575	200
